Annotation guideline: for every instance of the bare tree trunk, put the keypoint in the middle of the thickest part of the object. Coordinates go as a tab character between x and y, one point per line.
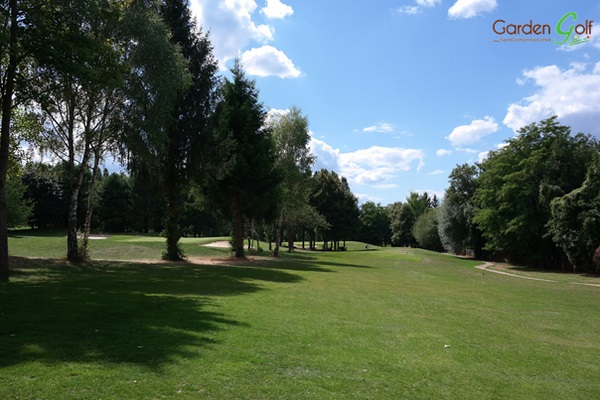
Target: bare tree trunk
278	230
238	232
290	235
87	226
72	246
4	139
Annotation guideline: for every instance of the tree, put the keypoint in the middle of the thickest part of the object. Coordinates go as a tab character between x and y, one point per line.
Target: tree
455	217
147	199
78	98
23	36
331	196
402	220
575	222
293	160
517	185
19	207
425	230
189	138
248	186
114	205
404	215
45	192
10	59
374	224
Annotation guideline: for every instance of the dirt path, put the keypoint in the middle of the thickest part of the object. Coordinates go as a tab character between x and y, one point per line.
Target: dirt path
486	265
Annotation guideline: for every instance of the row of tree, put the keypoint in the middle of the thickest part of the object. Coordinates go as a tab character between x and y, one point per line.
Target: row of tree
536	201
138	80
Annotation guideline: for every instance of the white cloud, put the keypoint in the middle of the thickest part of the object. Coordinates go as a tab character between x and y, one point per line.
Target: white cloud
386	186
436	172
363	198
372	166
382	127
466	150
327	156
232	25
269	61
471	8
275	9
572	94
410	10
377	165
443	152
472	133
482	156
421	4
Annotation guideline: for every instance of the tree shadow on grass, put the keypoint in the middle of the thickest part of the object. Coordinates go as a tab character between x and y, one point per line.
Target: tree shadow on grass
118	312
307	261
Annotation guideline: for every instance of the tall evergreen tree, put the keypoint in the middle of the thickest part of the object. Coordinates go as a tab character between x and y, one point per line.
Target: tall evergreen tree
250	185
189	133
332	197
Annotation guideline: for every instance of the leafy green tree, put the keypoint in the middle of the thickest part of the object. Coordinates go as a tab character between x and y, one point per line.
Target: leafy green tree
19	207
455	217
425	230
147	199
294	161
518	183
374	224
404	215
46	194
114	205
402	220
249	185
331	196
77	98
24	34
575	222
419	203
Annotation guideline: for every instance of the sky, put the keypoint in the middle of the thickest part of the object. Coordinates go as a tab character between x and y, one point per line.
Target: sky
399	92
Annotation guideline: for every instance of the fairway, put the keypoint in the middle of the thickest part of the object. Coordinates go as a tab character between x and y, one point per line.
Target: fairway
376	323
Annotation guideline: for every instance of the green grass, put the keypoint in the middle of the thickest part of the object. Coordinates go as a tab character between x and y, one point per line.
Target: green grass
361	324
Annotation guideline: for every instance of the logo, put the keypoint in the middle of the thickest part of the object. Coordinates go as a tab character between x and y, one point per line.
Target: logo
567	31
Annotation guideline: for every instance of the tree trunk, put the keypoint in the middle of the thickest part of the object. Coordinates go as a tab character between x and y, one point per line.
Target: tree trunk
4	139
238	231
290	236
87	225
72	245
278	230
172	232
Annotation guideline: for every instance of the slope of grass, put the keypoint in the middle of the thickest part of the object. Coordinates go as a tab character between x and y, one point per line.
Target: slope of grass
363	324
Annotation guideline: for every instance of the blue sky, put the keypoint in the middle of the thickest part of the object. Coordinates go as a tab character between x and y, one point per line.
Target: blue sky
398	92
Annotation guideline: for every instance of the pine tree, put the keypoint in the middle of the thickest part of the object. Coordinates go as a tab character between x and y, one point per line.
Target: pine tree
249	188
189	132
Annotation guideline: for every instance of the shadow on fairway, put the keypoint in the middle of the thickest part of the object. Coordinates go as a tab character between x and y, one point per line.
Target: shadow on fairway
118	312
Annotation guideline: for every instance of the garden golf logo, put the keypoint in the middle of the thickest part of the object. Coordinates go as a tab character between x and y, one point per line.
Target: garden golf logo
566	31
